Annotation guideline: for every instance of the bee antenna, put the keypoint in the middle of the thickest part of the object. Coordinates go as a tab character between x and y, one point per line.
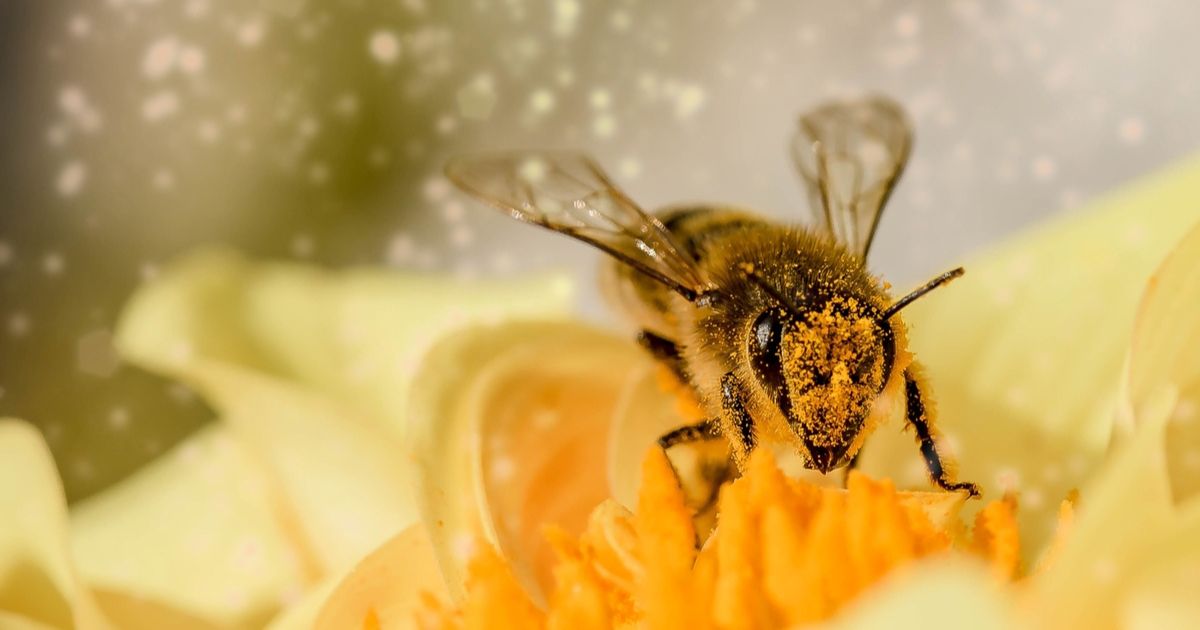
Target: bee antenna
926	288
787	305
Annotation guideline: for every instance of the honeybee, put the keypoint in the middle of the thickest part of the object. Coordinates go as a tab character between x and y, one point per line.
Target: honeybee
781	330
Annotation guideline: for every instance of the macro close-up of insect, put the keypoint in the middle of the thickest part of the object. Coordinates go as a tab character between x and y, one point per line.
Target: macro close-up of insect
781	330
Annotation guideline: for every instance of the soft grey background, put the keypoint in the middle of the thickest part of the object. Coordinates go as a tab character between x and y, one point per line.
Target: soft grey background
132	130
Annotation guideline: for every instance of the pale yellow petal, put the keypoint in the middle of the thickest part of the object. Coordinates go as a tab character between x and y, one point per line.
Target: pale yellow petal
1164	356
200	531
354	335
311	369
302	614
344	479
1124	515
387	585
1024	353
645	412
510	427
39	584
949	593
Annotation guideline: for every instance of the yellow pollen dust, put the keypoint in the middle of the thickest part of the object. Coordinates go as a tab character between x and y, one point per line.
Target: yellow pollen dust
834	366
784	552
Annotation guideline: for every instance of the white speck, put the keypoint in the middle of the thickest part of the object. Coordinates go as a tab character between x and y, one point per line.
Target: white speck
160	106
463	546
604	125
191	60
95	354
1131	130
346	105
621	21
82	469
1043	168
400	249
1008	479
318	173
309	127
208	131
53	264
544	419
148	271
159	59
629	168
462	236
436	188
452	212
384	47
71	179
57	135
379	157
251	33
163	179
1104	570
79	26
303	245
689	101
907	25
542	101
73	101
477	98
566	15
503	469
446	124
532	170
118	419
6	254
18	324
1185	411
600	98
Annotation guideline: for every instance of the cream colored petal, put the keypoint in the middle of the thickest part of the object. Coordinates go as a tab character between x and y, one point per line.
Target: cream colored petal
509	433
302	614
39	585
950	593
353	335
1024	353
199	532
311	369
388	586
1124	517
1164	356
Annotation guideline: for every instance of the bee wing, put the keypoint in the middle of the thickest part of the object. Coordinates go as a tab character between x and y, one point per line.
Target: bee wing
568	193
850	155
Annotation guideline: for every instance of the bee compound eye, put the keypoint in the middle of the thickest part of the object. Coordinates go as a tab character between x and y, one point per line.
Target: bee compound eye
767	332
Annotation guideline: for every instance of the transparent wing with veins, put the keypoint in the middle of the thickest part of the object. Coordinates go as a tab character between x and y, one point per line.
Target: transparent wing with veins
568	193
850	155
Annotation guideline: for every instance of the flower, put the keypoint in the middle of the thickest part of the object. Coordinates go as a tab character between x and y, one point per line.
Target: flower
345	478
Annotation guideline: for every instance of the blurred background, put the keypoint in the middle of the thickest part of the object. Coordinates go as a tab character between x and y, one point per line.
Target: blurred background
134	130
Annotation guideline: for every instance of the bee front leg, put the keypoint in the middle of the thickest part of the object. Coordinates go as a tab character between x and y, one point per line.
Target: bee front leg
921	419
739	418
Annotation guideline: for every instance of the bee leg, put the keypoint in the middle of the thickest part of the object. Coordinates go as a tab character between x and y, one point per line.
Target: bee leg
850	467
707	476
920	420
665	351
706	430
731	404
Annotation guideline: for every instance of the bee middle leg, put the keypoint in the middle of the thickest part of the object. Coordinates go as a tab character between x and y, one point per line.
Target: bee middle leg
918	416
665	350
712	473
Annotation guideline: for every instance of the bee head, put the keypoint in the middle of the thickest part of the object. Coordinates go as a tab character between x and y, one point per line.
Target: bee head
824	369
